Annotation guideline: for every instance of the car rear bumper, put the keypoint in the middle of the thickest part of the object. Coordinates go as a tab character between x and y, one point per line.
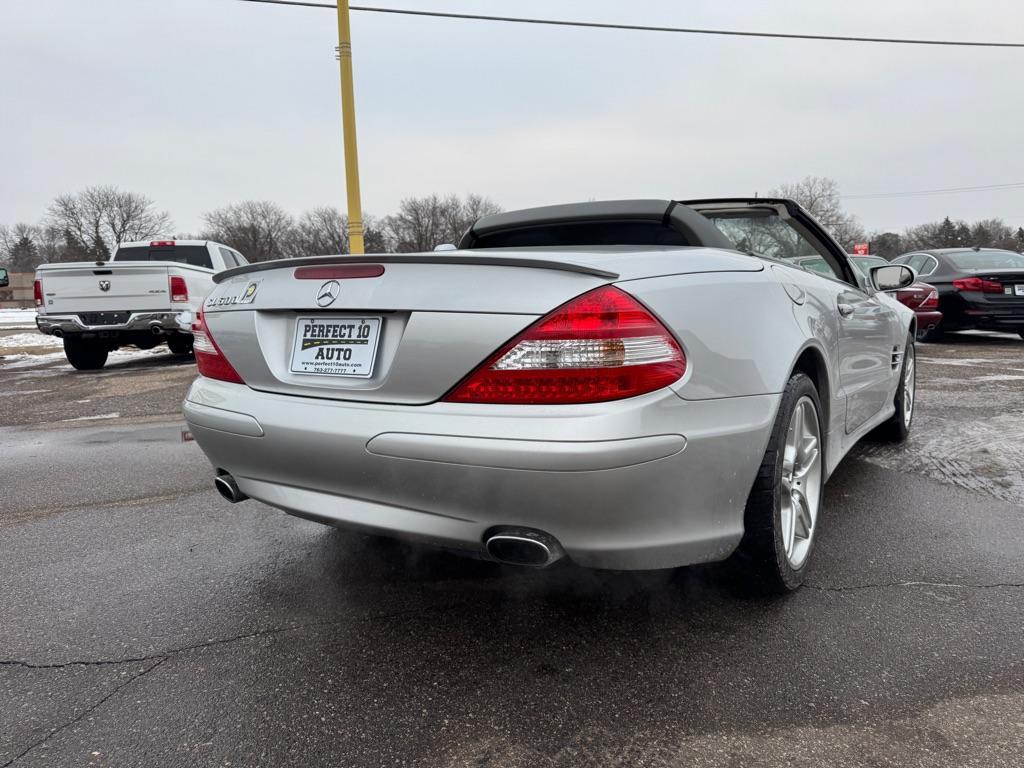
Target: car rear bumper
927	319
651	482
997	313
137	321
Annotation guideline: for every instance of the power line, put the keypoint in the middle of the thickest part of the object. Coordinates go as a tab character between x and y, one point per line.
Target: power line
648	28
929	192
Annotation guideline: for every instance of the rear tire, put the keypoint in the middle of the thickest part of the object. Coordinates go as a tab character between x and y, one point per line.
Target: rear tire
782	517
897	428
180	344
85	354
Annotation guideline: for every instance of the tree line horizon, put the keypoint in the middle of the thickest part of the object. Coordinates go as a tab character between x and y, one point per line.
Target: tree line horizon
86	226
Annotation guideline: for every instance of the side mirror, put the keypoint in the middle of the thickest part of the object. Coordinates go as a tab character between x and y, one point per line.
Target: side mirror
445	247
4	279
892	277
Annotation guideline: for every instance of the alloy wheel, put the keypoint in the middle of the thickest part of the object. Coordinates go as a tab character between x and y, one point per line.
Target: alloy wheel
909	382
801	481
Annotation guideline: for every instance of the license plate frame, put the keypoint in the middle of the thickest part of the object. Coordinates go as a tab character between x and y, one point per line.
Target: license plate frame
320	344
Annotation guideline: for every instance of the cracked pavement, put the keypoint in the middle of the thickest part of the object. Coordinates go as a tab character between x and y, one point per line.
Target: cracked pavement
145	622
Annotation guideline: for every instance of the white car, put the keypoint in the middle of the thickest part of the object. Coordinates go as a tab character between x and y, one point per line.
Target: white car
147	294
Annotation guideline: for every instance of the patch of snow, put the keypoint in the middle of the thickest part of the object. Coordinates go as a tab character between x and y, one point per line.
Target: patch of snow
967	362
114	415
1000	377
29	340
29	361
123	355
25	392
17	318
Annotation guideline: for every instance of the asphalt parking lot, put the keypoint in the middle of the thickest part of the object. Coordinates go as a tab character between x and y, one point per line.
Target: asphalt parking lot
145	622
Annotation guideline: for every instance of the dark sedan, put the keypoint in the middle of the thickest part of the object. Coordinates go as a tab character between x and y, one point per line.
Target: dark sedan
979	288
923	298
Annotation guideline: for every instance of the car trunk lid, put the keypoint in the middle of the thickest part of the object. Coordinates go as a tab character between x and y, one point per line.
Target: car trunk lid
411	329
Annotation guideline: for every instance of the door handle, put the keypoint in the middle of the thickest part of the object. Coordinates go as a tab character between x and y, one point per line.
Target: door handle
845	309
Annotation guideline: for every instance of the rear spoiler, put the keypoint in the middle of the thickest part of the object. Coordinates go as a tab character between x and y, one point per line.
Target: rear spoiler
475	259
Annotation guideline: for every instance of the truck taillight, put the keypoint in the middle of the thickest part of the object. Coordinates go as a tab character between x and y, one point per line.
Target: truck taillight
978	284
37	292
209	359
603	345
179	289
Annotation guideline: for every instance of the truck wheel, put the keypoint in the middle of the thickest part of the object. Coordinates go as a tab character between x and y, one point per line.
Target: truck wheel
180	344
85	355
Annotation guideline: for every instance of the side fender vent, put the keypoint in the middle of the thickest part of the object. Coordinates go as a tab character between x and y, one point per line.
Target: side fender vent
897	358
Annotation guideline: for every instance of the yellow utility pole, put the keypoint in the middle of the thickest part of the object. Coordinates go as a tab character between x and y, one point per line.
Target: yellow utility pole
348	125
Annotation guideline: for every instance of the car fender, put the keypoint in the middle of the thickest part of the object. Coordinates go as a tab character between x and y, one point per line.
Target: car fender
741	331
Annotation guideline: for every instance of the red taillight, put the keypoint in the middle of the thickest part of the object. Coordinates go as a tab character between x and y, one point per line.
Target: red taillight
209	359
931	301
603	345
161	243
179	289
37	292
978	284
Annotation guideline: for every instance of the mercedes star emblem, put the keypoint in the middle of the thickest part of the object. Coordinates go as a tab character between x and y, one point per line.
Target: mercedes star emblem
328	293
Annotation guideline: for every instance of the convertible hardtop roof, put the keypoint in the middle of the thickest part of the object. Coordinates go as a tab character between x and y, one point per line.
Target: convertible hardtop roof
693	228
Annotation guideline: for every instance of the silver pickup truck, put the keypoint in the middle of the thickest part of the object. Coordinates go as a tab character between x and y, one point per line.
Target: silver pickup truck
147	294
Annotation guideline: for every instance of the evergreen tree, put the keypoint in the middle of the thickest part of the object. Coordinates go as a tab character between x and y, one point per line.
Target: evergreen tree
946	235
24	256
964	236
981	236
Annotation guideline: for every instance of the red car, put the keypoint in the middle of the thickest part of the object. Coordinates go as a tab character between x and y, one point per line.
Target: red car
923	298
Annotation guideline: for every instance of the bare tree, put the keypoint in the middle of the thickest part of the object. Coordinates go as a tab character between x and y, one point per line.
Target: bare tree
324	231
24	247
96	219
260	229
819	196
319	232
422	223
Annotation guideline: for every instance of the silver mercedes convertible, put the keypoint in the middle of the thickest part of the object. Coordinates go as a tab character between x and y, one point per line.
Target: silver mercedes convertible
629	384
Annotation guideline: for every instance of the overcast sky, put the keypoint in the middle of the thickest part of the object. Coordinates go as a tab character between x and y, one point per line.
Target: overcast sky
199	103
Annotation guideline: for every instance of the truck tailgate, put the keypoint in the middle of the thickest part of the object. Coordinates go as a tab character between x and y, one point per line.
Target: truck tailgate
76	288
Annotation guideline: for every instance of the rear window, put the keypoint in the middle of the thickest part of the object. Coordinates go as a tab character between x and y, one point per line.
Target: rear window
584	233
196	255
987	260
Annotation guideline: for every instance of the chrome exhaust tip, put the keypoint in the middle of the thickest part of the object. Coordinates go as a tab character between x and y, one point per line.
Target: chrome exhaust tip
58	333
228	488
156	330
523	546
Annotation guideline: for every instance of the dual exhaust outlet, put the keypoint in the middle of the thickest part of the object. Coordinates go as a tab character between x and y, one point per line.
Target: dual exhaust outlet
509	545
